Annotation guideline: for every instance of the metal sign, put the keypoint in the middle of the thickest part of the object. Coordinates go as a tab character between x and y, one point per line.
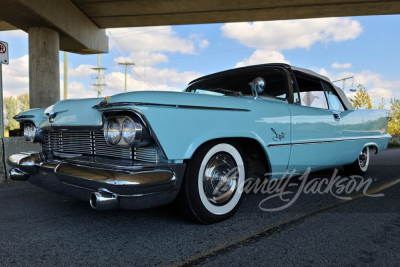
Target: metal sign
3	53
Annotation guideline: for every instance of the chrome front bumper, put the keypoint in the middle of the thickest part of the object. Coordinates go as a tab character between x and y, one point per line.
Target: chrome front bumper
131	187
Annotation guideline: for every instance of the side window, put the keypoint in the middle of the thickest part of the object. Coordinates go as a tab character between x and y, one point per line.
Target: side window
311	93
273	83
333	98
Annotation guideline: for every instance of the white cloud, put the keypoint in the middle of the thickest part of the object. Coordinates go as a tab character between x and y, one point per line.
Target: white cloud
289	34
143	58
144	46
261	56
82	71
16	76
78	90
203	44
337	65
11	34
149	79
161	38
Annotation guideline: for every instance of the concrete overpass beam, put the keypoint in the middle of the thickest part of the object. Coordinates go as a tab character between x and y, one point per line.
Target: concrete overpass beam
78	34
44	70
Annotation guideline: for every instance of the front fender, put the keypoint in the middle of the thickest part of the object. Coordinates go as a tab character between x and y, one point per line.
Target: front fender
181	131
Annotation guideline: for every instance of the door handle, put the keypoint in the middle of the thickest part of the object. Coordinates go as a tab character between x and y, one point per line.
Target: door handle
336	116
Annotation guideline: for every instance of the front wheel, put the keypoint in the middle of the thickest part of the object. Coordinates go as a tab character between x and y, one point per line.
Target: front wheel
212	188
360	166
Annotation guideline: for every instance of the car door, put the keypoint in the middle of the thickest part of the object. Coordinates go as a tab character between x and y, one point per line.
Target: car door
315	129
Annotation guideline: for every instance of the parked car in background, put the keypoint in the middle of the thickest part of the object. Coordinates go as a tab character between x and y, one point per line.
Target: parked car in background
143	149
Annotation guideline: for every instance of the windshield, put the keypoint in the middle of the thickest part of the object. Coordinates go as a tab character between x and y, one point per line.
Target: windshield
237	83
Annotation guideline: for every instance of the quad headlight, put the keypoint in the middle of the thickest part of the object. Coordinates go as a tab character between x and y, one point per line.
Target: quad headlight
129	131
113	132
126	131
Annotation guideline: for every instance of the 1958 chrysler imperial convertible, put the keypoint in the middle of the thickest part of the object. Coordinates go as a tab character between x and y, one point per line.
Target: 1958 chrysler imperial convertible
143	149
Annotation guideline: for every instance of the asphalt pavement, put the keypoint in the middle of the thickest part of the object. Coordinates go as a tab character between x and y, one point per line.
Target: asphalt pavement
40	228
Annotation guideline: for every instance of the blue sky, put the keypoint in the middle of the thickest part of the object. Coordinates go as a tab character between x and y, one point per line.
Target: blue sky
168	57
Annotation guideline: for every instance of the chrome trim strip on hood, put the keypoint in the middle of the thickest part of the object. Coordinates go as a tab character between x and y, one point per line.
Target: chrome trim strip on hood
165	105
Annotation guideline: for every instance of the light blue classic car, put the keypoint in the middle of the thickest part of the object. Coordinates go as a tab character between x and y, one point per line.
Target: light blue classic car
197	147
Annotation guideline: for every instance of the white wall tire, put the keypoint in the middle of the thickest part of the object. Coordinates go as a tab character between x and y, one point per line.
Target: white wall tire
212	191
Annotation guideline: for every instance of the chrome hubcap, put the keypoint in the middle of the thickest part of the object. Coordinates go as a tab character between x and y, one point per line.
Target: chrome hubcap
220	178
362	158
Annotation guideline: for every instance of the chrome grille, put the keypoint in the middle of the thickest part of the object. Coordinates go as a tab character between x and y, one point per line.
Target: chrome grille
149	154
93	143
103	149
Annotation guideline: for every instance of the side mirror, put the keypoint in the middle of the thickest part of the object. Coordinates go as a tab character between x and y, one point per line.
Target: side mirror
257	86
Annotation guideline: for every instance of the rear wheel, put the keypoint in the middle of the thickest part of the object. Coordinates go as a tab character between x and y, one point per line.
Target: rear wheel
212	187
360	166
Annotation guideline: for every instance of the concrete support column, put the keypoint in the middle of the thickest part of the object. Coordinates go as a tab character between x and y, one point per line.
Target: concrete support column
44	67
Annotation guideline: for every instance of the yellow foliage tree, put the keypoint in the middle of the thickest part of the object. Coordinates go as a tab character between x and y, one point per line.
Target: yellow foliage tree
394	111
361	99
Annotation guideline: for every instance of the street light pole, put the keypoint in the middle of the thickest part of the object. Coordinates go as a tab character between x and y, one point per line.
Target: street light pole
65	75
344	82
126	70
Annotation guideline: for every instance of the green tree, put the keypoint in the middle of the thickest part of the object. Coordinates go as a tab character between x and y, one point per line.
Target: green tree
361	99
11	105
394	111
23	102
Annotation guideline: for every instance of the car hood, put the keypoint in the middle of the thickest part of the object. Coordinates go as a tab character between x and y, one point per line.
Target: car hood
88	112
74	112
179	98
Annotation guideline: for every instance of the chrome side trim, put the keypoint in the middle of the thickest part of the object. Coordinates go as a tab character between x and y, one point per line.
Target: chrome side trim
166	105
330	141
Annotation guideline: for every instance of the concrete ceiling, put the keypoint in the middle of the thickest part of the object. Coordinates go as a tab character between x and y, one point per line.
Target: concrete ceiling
117	13
80	23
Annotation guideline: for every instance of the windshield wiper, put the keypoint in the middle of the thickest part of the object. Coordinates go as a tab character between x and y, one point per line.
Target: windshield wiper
225	91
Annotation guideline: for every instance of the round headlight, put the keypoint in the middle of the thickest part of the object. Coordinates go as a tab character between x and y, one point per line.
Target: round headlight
113	133
129	131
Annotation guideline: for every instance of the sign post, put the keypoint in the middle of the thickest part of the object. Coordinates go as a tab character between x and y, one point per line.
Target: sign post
3	60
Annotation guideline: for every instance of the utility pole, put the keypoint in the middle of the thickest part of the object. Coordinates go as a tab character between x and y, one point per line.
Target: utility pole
126	70
344	82
65	75
99	77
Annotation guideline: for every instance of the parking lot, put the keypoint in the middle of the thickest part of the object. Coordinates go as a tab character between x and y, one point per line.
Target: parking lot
41	228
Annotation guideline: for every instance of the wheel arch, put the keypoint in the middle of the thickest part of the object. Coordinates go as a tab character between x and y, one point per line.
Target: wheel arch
256	158
371	144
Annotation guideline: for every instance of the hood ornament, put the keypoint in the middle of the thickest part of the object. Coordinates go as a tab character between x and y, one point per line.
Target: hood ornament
52	115
104	101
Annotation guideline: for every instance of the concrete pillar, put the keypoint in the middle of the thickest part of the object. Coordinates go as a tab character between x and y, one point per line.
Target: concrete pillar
44	67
